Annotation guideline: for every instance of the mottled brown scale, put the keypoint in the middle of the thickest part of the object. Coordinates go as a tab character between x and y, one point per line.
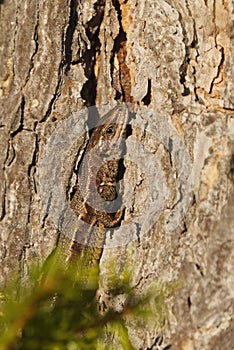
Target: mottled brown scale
97	179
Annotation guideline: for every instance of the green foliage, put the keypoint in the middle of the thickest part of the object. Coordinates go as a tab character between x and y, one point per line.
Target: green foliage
57	309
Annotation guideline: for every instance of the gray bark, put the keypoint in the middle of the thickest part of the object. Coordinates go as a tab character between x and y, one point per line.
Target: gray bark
174	61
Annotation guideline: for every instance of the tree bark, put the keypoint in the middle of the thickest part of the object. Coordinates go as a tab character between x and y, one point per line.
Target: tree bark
172	61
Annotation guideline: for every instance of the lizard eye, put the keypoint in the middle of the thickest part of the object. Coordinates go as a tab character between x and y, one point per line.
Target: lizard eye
110	130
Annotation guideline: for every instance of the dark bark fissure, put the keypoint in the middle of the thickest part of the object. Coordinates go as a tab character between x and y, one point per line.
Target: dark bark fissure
189	302
31	172
116	47
198	267
73	20
35	38
220	66
184	230
119	49
10	156
14	39
158	342
138	232
180	198
47	211
194	45
3	204
169	151
184	66
167	347
147	99
21	120
55	95
11	150
231	170
92	28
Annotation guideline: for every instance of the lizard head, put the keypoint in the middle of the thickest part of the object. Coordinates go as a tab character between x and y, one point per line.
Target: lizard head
112	129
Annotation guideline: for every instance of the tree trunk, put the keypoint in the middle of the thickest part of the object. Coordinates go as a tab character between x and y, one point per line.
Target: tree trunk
172	62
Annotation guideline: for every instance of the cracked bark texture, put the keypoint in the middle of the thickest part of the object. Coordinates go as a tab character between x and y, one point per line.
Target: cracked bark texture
174	57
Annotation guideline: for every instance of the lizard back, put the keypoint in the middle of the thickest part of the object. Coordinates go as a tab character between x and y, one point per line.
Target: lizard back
94	198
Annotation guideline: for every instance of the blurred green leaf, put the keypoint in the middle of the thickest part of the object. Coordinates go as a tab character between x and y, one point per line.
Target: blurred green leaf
56	308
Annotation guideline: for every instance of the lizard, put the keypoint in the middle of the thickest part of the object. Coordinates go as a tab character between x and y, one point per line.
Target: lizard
97	184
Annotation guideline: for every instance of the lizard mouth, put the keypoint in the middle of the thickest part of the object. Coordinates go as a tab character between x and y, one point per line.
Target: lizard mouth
104	155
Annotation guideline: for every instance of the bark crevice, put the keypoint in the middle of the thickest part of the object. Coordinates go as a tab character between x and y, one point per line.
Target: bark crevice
73	20
120	51
92	28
